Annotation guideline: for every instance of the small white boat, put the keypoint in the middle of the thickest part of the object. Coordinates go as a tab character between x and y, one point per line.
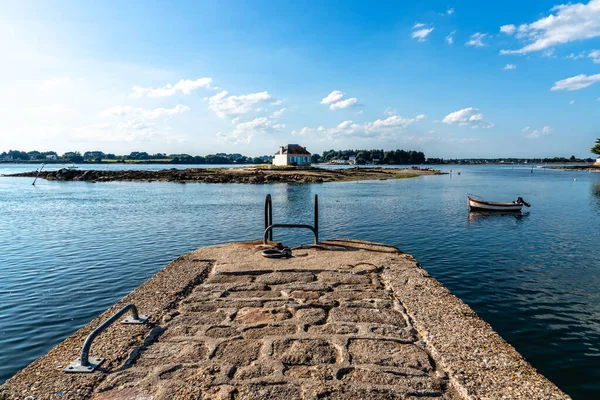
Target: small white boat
477	204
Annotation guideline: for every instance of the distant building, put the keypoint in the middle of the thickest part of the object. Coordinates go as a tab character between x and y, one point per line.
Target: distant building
6	158
352	159
597	161
51	157
292	154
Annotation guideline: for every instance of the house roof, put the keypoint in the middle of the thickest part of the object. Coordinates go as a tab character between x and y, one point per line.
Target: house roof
293	149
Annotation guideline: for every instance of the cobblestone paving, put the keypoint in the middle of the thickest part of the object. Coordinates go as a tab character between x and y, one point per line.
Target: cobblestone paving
346	320
285	335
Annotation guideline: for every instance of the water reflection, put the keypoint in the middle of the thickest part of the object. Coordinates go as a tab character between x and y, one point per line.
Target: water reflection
479	216
536	283
596	192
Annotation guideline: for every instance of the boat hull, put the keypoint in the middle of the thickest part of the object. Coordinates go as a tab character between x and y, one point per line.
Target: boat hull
478	205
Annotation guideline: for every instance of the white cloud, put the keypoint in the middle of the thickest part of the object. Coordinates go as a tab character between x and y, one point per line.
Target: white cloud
467	116
566	23
344	103
576	82
422	34
572	102
306	131
548	53
595	56
184	86
536	134
508	29
476	40
393	121
278	114
573	56
418	25
345	125
246	131
126	131
509	66
379	129
332	97
227	106
450	11
129	111
525	129
450	37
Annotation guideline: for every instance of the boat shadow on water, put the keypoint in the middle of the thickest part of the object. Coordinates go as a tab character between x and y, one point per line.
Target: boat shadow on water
480	216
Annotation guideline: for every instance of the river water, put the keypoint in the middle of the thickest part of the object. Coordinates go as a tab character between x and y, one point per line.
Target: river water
69	250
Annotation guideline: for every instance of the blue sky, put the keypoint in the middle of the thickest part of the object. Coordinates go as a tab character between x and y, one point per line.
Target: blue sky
450	78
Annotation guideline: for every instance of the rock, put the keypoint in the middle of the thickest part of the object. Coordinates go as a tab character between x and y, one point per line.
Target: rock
262	315
237	352
304	352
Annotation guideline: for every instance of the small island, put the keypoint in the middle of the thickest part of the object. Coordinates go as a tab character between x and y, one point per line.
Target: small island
579	167
586	167
260	174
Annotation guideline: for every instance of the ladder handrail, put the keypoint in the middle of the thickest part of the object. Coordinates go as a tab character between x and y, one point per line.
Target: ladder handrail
269	226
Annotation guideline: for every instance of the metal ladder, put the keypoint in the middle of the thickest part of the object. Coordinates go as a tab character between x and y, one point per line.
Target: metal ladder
269	225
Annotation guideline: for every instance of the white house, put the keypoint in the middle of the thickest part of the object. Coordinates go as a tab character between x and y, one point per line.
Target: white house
597	161
292	154
51	157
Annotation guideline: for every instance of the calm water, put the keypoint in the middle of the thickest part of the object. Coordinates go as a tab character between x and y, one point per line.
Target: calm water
69	250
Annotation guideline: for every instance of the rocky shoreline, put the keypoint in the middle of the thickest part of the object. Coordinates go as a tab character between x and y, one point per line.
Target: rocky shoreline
589	167
232	175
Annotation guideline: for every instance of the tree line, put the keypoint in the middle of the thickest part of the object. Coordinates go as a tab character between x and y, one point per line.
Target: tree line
555	160
358	156
375	156
371	156
135	156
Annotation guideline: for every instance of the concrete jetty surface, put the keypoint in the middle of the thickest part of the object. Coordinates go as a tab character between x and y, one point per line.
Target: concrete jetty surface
345	320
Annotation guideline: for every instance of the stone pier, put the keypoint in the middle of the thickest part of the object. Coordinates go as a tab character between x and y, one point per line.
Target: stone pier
345	320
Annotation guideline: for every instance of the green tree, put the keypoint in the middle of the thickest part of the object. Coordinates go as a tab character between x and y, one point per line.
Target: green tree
73	156
596	148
